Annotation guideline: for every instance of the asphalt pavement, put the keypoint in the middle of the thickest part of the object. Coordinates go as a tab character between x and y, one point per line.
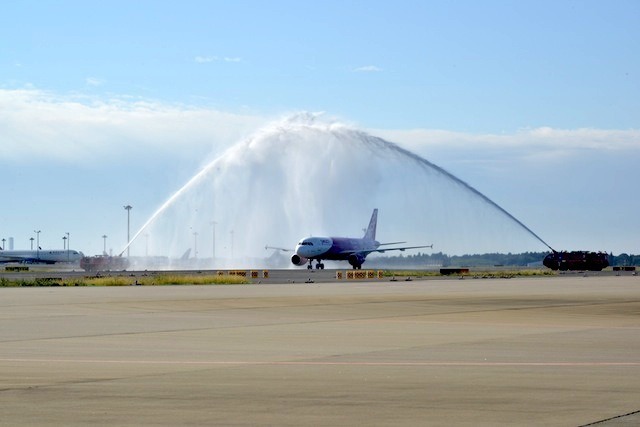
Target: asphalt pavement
526	351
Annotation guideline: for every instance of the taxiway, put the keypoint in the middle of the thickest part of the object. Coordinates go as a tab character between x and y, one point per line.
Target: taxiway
552	351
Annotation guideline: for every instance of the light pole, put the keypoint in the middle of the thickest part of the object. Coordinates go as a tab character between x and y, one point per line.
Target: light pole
213	241
3	239
37	243
32	239
64	243
104	244
128	208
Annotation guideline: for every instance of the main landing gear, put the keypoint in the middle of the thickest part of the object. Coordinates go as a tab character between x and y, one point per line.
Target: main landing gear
319	265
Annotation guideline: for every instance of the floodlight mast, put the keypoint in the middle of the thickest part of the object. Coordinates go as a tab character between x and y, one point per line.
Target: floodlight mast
37	243
213	242
128	209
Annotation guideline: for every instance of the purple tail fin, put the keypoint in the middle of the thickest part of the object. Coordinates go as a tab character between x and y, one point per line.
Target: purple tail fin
371	230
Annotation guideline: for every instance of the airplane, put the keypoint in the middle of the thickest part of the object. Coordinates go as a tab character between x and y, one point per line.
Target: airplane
41	256
353	250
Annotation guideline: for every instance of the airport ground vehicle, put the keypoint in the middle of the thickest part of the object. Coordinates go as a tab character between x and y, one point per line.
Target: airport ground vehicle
576	260
104	263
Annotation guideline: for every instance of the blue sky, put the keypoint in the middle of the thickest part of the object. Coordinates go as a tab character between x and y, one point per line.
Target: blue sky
111	103
469	66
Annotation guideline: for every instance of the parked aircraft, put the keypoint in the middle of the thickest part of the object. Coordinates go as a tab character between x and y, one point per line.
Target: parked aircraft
353	250
41	256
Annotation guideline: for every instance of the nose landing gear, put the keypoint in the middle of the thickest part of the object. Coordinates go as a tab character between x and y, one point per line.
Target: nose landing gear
319	265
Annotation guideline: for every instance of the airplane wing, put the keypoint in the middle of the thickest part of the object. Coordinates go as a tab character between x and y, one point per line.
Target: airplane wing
383	250
278	249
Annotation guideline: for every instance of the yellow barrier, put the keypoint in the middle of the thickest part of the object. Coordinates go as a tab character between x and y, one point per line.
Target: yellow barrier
254	274
361	274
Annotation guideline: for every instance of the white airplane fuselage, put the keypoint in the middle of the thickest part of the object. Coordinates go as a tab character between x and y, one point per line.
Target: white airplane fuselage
42	256
335	248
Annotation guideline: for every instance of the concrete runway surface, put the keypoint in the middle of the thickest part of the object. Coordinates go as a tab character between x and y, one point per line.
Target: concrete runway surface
539	351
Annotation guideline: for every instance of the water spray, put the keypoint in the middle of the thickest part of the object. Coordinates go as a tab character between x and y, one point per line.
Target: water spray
426	163
300	176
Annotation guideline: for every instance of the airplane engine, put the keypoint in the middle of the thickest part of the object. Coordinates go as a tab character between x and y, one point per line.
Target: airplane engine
356	260
298	260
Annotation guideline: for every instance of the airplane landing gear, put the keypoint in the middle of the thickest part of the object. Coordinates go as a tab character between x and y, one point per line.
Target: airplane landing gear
319	265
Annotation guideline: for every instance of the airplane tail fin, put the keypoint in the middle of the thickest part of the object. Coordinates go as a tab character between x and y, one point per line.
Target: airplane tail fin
370	234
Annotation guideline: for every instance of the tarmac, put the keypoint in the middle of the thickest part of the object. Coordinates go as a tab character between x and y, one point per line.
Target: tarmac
561	350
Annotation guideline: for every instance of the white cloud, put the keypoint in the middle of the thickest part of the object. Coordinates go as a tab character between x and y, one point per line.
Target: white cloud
94	81
39	124
205	59
535	142
209	59
42	125
367	69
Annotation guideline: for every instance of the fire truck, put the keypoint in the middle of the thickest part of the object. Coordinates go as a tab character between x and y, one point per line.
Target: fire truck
576	260
104	263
